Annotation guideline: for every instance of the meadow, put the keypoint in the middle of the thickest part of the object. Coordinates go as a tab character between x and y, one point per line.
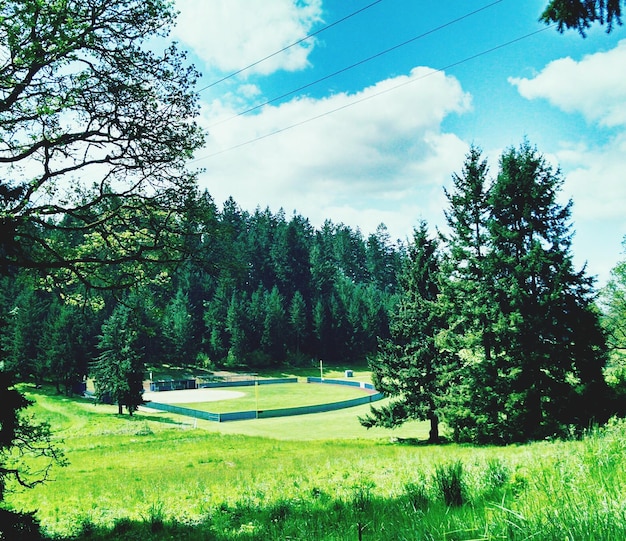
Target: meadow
157	476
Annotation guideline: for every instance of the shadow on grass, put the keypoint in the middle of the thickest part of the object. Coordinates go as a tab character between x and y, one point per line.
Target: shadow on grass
320	517
417	442
357	515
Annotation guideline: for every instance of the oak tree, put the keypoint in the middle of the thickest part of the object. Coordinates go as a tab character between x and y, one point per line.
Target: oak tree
96	127
90	114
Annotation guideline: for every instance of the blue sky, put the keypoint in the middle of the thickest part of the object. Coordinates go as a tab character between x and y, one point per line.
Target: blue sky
378	142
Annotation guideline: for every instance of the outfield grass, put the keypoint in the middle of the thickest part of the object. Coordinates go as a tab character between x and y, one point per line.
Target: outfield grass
277	396
317	477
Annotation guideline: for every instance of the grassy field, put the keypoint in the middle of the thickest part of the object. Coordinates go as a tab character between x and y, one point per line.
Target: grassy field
284	395
317	477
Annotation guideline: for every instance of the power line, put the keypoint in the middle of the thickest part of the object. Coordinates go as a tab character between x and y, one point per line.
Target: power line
366	98
308	36
363	61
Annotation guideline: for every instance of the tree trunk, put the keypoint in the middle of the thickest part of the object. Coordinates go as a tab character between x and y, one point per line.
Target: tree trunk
433	434
119	408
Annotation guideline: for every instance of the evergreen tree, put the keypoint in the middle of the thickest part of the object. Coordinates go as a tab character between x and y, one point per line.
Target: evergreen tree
322	330
215	313
543	370
274	326
548	333
237	325
262	230
232	236
25	329
382	259
119	371
350	252
177	330
581	14
323	263
467	301
291	257
408	365
297	321
465	290
65	347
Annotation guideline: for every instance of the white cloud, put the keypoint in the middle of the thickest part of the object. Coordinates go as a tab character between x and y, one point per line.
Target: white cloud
229	35
596	178
594	86
593	160
384	159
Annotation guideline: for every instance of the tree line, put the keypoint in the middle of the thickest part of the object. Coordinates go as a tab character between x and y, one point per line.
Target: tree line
485	325
255	290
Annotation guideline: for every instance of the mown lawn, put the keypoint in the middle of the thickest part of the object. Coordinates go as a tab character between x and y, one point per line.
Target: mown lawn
317	477
277	396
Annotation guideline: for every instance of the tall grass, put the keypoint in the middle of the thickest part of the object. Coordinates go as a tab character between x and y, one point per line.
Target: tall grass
150	477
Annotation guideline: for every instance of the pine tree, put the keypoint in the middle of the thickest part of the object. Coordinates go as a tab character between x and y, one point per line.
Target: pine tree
25	329
464	265
297	321
274	326
64	346
382	259
119	371
408	365
177	329
469	306
548	333
540	372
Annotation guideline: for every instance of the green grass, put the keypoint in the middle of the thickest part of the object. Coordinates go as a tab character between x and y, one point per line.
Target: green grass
317	477
277	396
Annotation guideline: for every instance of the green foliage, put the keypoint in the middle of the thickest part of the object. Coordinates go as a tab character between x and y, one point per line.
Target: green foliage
613	305
25	324
417	494
581	14
408	363
177	330
295	301
120	369
93	173
530	351
450	483
66	345
27	450
82	110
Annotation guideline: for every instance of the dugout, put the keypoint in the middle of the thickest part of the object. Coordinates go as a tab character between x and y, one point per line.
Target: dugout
173	384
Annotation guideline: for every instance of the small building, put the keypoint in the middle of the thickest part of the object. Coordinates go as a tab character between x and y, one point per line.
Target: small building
173	384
